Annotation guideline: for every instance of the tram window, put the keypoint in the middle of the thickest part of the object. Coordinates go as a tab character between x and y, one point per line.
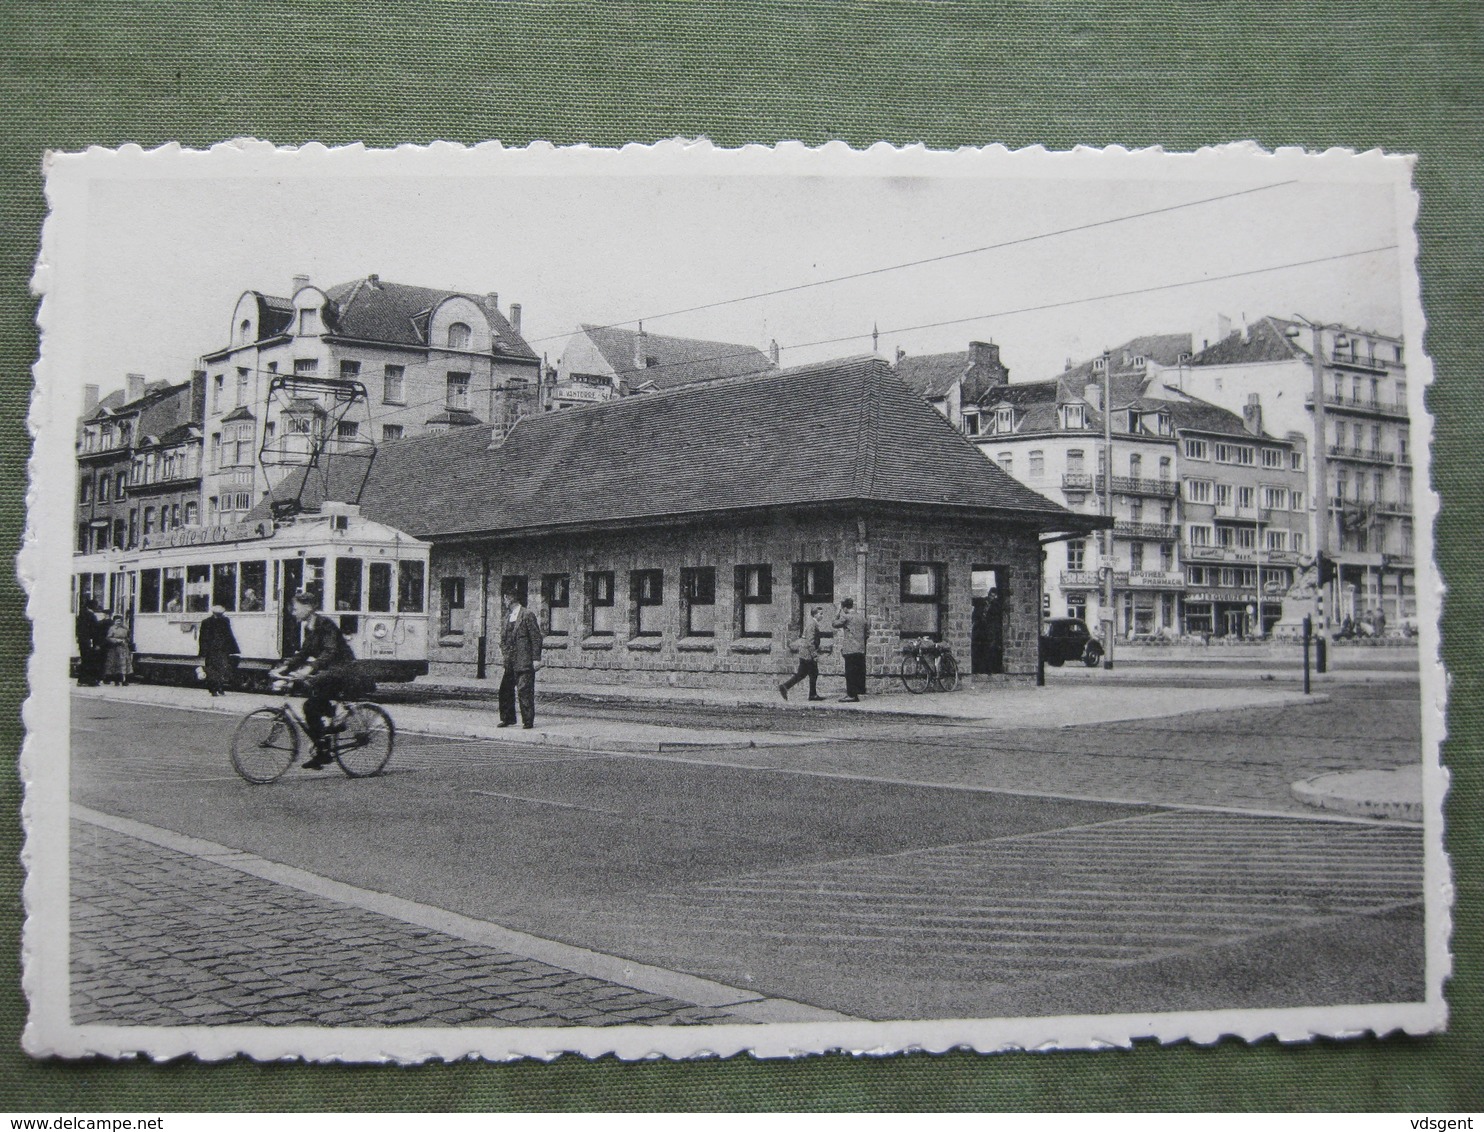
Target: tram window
410	587
379	597
347	583
149	591
224	586
254	578
314	577
174	588
198	589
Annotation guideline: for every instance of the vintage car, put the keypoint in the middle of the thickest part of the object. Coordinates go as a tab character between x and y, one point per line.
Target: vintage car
1067	638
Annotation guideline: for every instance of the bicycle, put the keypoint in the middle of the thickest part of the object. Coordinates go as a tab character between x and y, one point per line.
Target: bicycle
266	742
928	664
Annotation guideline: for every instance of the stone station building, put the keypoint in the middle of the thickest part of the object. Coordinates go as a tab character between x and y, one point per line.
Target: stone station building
683	537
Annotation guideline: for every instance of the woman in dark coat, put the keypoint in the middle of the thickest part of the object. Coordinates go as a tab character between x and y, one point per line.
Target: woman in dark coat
218	645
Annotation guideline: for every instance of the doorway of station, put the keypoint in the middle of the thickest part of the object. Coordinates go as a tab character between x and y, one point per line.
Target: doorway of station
987	626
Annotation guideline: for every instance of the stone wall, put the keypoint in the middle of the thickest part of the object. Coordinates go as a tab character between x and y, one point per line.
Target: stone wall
667	654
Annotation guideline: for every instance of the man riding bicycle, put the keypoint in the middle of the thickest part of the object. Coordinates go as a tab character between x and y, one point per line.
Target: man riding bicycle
325	664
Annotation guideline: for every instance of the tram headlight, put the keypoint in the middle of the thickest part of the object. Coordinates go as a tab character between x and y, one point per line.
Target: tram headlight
379	630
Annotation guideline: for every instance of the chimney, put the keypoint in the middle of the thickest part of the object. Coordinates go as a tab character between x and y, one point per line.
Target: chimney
773	351
641	348
1252	414
135	387
372	280
198	396
1067	368
89	399
300	282
985	371
515	317
1094	394
493	299
901	353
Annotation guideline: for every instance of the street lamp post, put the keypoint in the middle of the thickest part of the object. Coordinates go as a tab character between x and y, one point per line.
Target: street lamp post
1112	630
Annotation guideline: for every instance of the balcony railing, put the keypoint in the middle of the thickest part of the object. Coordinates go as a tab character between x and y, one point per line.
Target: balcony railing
1396	408
1155	532
1370	455
1133	485
1087	578
1076	481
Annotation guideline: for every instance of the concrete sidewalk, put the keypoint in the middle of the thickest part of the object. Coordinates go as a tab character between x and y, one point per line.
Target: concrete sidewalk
479	720
997	706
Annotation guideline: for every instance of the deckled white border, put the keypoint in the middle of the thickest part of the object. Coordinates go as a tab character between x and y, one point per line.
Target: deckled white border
56	404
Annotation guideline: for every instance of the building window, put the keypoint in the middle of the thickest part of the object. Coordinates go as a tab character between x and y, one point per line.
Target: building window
244	501
647	598
1198	491
391	432
1077	606
1135	465
1200	534
922	599
1164	469
149	520
1076	462
1037	464
1272	457
1166	556
556	596
306	367
600	603
218	389
754	600
1073	416
1297	541
1196	449
814	588
1004	419
1006	461
309	322
698	601
192	513
971	424
349	370
85	489
1246	538
1136	556
458	336
105	481
458	391
1277	540
244	331
1275	497
1077	554
347	430
393	388
451	607
244	381
1246	497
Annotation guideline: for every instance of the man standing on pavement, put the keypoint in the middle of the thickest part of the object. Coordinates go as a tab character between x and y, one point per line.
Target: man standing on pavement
852	637
520	645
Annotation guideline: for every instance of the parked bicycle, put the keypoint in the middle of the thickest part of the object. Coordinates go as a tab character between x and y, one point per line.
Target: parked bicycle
266	742
928	665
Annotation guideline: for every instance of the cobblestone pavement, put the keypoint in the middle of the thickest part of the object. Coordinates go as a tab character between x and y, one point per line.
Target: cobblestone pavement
161	938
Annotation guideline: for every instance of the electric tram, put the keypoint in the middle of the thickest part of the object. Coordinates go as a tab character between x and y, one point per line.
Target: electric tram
370	577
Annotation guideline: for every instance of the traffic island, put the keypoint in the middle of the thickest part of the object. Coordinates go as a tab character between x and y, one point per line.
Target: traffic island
1392	795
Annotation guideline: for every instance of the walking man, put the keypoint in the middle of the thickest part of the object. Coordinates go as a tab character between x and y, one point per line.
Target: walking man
218	644
520	645
808	646
852	637
92	642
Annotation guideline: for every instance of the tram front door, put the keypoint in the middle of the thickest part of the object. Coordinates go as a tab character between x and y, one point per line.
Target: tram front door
292	579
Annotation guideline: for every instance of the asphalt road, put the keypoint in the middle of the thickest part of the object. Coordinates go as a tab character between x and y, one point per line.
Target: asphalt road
1077	879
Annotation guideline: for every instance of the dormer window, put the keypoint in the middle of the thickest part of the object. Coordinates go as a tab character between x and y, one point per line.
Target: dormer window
1139	361
971	424
458	336
1099	364
244	331
1074	416
309	321
1004	419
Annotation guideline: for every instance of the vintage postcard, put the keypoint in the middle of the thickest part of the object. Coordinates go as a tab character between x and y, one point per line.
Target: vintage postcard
671	601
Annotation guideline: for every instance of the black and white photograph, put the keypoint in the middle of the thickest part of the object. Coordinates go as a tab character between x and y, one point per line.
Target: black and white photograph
674	601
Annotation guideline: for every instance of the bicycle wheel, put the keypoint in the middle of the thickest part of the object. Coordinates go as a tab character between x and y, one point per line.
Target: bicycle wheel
364	747
917	674
947	672
265	744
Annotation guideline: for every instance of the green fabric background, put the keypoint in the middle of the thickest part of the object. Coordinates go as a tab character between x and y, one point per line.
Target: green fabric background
1399	76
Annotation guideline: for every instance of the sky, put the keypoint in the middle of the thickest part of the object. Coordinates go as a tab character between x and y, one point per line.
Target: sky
170	243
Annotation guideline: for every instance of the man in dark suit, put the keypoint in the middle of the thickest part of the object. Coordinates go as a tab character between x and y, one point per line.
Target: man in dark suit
520	645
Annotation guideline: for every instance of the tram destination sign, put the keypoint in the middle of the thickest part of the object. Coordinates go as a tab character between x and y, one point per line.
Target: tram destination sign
208	536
